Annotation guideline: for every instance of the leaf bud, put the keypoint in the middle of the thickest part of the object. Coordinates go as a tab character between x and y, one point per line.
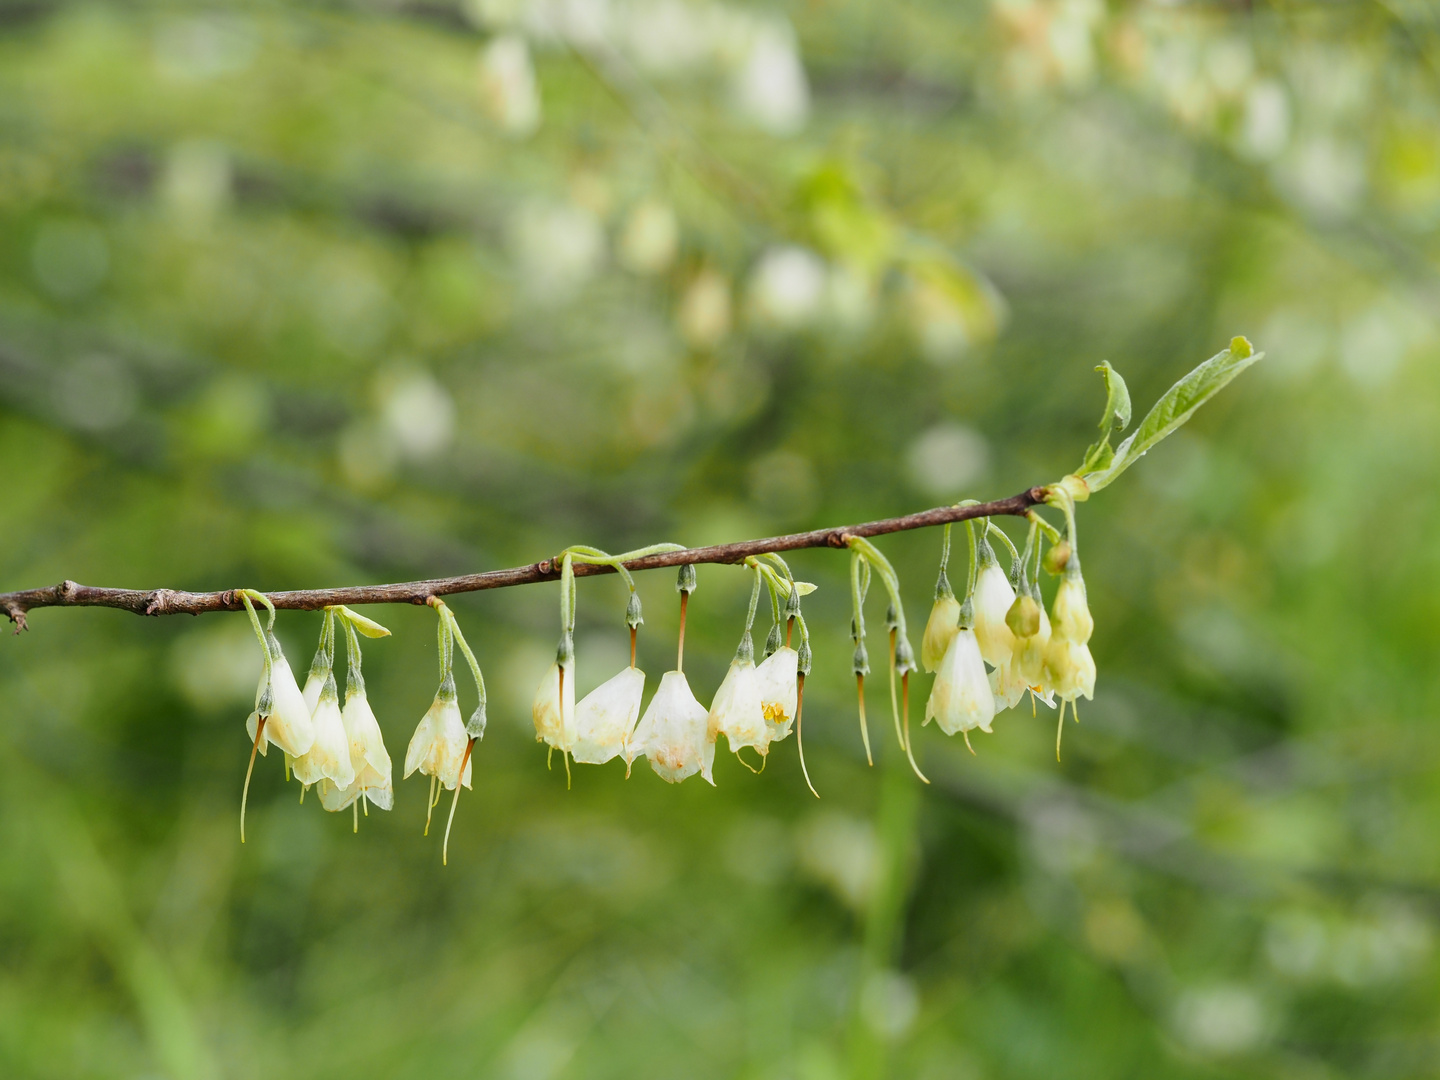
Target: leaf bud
685	582
1057	557
633	616
1023	618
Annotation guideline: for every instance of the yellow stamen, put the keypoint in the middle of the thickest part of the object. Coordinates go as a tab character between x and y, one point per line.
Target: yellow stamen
966	733
355	816
429	805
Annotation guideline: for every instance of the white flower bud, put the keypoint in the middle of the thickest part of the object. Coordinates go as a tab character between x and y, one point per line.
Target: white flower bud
1071	618
940	628
674	733
1069	668
777	682
329	755
554	707
438	746
735	712
993	597
606	716
961	698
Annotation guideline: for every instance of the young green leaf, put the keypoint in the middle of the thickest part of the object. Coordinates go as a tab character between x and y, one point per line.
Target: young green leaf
1176	407
369	627
1115	420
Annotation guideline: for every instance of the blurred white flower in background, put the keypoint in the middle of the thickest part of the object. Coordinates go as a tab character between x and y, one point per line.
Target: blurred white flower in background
1325	175
196	183
215	667
508	90
769	87
787	286
557	246
841	852
946	459
649	239
1221	1020
418	412
889	1003
1265	129
96	393
704	315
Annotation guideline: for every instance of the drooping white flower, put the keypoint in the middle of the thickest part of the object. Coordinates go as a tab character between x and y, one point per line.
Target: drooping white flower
674	733
777	680
554	707
961	698
328	758
1069	667
438	746
735	712
1028	659
368	755
1008	685
940	629
993	597
288	723
606	716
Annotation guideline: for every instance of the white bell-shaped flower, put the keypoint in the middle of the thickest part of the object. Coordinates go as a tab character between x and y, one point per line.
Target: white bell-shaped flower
674	733
554	707
736	712
368	756
288	725
940	629
1069	667
961	698
438	746
1008	685
993	597
777	679
328	758
606	716
1029	656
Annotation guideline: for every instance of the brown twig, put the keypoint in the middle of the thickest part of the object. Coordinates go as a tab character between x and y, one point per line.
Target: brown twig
175	602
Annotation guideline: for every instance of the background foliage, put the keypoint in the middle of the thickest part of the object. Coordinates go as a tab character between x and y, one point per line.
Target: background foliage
301	294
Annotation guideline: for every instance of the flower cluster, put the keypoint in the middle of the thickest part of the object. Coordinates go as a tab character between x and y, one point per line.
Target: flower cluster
754	707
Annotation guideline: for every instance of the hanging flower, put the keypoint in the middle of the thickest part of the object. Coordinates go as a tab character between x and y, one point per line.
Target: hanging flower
328	758
674	733
554	708
438	746
606	716
369	757
993	597
777	680
1069	667
287	724
961	698
736	712
940	629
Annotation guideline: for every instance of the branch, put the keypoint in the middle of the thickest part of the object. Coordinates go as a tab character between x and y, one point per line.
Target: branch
173	602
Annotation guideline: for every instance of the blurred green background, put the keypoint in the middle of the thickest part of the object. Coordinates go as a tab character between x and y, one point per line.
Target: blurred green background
306	294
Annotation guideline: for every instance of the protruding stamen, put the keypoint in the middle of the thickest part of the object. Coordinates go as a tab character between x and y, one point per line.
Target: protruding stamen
799	737
245	792
459	783
355	816
1059	729
430	804
966	733
864	730
909	752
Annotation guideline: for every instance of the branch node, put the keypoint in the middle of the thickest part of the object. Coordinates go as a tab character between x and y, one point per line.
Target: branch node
158	601
66	589
17	616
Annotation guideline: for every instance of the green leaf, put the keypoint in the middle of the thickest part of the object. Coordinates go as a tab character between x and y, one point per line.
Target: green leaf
1115	420
1176	407
369	627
